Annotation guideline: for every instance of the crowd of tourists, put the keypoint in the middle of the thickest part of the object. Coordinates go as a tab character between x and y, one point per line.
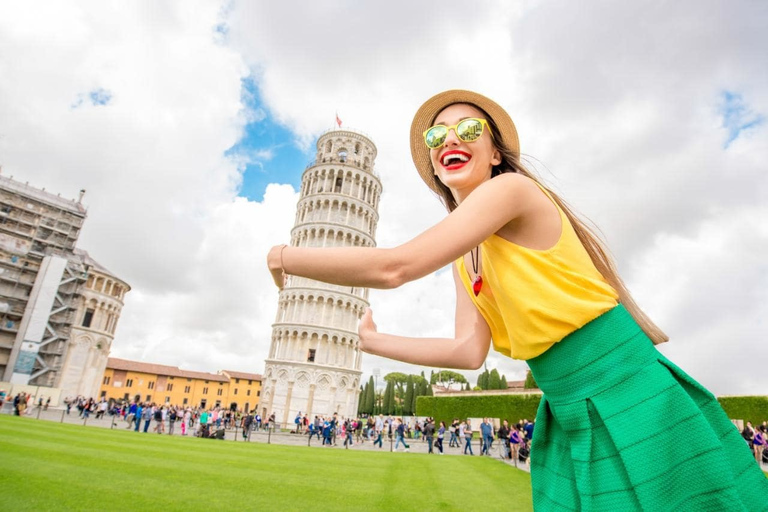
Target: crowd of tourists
757	439
23	403
197	421
513	441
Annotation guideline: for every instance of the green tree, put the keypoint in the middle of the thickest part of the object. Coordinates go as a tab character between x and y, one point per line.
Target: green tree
361	399
447	377
370	399
389	398
530	383
420	390
372	396
466	386
494	382
398	381
482	380
504	383
408	401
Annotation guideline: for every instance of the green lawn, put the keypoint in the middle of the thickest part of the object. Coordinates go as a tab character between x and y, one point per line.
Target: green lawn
50	466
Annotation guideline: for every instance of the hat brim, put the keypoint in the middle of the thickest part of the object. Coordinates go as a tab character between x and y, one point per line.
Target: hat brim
426	114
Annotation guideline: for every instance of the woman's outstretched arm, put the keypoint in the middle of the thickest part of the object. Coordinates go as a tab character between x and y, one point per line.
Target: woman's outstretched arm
487	209
466	351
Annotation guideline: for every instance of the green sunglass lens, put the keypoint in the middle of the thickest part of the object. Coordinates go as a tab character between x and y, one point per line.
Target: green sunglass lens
436	136
469	130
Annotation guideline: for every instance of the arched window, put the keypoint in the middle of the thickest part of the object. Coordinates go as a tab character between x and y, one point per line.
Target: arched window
342	155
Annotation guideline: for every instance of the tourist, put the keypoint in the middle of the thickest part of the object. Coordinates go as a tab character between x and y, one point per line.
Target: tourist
503	436
440	437
146	415
486	431
348	432
532	278
400	435
528	428
454	440
137	418
172	417
758	442
429	433
465	433
515	438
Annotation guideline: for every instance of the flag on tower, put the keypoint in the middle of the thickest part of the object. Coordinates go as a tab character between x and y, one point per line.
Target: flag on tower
338	121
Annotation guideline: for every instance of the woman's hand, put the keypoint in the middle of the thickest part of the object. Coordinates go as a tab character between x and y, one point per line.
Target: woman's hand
275	265
367	330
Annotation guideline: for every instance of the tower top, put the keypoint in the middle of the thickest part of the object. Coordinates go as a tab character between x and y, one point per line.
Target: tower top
346	146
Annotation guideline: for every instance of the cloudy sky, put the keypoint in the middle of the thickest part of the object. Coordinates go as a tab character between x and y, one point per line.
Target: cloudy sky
189	125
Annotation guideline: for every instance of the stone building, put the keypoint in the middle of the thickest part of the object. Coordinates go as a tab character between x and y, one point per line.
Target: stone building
58	307
314	359
98	311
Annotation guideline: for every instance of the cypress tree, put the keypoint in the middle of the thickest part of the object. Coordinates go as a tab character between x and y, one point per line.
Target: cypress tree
361	399
389	399
408	402
371	395
504	383
530	383
494	382
482	380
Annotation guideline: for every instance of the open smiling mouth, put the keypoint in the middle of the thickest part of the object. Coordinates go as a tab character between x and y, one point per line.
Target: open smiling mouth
453	160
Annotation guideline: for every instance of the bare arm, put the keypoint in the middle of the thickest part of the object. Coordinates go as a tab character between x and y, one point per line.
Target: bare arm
467	350
487	209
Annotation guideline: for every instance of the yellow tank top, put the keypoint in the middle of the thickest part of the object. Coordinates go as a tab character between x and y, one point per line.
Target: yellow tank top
531	298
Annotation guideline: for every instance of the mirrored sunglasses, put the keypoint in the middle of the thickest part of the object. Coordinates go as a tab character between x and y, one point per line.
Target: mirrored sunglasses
468	130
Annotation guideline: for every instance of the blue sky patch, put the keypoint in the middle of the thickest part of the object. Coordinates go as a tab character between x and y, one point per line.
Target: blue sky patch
267	152
737	116
97	97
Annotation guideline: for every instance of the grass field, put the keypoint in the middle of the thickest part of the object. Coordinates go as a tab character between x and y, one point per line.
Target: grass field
50	466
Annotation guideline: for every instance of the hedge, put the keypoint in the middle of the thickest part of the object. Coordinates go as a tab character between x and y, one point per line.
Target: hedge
510	407
747	408
516	407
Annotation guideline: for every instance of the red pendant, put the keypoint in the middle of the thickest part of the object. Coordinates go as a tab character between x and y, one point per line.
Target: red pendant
477	285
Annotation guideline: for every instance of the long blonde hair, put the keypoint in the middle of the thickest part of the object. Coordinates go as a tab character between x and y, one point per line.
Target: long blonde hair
510	162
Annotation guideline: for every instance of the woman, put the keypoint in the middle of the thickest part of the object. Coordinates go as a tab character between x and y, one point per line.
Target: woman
759	443
514	442
465	432
440	436
534	279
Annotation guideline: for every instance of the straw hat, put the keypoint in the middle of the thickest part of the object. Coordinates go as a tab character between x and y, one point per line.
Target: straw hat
426	114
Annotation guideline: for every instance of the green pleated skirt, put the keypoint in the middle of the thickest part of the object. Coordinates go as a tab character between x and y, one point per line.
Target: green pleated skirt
622	428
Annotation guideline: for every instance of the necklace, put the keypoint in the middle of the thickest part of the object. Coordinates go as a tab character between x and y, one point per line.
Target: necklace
477	284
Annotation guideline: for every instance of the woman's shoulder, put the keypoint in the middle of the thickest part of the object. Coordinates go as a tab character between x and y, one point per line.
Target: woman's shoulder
527	192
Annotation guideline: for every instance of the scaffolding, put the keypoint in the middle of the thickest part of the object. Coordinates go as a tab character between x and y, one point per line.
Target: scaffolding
37	227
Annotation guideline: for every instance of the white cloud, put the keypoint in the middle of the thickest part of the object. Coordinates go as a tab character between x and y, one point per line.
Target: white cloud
621	104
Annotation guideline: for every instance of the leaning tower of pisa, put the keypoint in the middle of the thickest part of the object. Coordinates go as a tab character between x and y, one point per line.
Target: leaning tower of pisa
314	359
